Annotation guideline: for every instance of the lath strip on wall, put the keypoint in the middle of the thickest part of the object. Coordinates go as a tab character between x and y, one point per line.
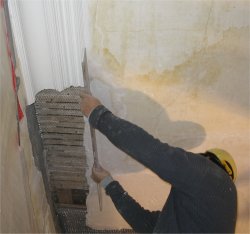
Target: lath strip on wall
61	126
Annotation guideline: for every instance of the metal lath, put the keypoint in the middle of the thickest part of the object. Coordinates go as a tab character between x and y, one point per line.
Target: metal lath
73	221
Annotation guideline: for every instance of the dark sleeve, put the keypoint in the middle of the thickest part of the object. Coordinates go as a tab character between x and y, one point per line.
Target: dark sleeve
182	169
141	220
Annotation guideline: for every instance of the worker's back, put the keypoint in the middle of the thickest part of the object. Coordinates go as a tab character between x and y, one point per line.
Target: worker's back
211	208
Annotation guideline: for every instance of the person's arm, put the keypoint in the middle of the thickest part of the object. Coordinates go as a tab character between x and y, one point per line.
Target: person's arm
180	168
141	220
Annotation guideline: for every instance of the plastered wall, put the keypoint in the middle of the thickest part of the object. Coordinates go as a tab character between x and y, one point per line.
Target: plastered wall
24	207
179	69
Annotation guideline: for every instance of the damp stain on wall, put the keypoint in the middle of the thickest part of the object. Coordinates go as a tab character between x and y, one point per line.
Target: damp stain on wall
205	71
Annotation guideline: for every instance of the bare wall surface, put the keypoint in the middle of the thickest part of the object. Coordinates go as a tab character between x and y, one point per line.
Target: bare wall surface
24	207
179	69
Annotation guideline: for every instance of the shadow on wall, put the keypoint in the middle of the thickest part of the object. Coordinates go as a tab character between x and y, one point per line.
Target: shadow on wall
146	113
151	116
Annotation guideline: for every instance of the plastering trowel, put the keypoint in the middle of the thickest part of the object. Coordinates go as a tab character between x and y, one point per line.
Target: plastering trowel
92	130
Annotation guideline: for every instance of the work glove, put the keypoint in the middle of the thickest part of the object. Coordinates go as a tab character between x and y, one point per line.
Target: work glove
99	173
88	103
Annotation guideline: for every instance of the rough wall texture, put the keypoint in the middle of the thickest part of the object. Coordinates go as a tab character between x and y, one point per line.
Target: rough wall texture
24	208
179	69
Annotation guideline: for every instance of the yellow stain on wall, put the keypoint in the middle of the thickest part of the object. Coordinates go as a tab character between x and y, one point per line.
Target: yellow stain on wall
112	62
206	71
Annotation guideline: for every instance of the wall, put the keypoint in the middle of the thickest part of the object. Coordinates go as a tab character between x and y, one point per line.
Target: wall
179	69
24	208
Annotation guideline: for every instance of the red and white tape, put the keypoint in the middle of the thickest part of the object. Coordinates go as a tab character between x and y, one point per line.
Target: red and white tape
13	73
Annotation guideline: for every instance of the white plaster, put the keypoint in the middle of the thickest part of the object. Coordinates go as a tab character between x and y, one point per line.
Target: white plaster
21	50
50	42
36	43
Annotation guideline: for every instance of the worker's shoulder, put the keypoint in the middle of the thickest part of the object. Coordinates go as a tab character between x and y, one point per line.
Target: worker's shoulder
216	179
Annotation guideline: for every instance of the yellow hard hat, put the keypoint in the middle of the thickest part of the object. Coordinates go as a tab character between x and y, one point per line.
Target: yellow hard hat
226	160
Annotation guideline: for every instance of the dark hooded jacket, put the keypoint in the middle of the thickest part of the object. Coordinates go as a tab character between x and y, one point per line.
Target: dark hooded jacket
202	199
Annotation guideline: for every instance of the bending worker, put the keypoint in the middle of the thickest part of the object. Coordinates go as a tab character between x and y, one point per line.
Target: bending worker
203	197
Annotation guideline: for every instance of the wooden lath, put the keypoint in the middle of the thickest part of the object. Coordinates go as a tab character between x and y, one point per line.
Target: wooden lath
61	126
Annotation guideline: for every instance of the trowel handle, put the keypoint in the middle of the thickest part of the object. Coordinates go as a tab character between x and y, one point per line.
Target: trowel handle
96	164
99	196
99	191
92	130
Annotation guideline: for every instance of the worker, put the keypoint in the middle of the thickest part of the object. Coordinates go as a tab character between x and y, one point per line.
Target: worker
203	197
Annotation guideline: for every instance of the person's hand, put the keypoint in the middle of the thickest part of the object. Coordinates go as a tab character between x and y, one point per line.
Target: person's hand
88	103
99	173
